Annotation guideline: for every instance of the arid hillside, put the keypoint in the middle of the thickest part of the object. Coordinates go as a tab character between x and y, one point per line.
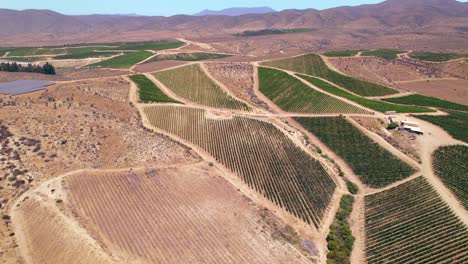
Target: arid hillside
385	24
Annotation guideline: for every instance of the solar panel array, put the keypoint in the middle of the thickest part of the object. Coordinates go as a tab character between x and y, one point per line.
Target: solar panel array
23	86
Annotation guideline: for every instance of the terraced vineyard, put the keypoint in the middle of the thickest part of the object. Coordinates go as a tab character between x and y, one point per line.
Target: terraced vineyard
292	95
263	156
191	83
456	123
417	99
369	103
451	165
411	224
373	164
313	64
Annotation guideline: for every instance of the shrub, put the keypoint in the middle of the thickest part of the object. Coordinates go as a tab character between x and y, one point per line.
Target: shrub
392	126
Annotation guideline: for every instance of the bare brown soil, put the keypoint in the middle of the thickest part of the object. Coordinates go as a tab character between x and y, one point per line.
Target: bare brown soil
239	79
157	65
184	215
390	72
72	126
46	234
451	90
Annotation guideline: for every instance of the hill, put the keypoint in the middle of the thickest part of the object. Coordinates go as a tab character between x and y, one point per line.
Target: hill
395	20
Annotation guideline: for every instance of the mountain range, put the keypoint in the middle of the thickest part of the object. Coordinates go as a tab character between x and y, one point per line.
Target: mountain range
389	17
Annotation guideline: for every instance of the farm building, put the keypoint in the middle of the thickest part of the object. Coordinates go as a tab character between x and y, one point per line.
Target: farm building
411	126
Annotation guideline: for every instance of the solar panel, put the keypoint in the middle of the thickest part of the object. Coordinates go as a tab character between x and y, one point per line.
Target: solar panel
23	86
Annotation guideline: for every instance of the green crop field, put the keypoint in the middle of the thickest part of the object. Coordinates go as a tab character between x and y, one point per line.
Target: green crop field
264	32
411	224
191	83
373	164
87	52
196	56
456	123
416	99
340	238
313	64
383	53
34	51
160	45
259	153
369	103
124	61
25	59
451	165
149	92
341	53
292	95
437	57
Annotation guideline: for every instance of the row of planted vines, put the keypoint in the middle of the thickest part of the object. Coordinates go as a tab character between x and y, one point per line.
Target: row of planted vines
377	105
263	156
191	83
411	224
292	95
451	165
373	164
313	64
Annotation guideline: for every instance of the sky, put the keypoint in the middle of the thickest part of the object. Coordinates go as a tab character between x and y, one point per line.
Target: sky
166	7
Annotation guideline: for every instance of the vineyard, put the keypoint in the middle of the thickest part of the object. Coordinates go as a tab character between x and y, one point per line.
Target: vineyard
169	215
411	224
437	57
124	61
263	156
292	95
369	103
373	164
49	238
87	52
383	53
341	53
417	99
149	92
313	64
191	83
451	165
456	123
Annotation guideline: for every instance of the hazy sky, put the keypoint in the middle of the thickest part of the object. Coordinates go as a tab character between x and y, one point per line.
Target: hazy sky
166	7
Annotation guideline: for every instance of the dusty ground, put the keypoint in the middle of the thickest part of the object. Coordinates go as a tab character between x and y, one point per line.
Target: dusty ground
239	79
186	214
451	90
391	72
72	126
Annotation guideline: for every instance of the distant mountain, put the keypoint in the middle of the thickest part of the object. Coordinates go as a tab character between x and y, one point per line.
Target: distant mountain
236	11
389	18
